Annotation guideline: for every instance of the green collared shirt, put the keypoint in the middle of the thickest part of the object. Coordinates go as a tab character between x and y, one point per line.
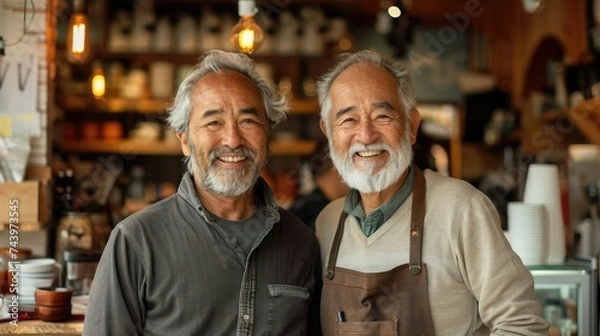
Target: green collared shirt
369	224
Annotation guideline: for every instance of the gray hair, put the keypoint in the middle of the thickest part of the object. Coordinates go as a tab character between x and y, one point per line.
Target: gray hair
345	60
212	61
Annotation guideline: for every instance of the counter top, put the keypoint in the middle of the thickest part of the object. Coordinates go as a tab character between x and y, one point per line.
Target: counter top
38	327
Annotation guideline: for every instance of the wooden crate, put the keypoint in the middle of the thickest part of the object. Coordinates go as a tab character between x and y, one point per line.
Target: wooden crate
20	198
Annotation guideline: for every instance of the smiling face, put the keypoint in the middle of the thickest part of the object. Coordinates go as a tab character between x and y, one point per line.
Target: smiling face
228	134
370	133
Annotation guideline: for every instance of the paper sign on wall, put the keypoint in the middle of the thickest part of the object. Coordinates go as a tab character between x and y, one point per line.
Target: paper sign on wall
18	96
20	124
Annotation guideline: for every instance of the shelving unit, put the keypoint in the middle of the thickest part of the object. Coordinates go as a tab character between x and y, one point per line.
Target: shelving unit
292	140
584	118
83	107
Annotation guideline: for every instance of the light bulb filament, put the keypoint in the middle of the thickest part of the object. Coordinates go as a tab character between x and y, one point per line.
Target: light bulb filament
246	39
79	38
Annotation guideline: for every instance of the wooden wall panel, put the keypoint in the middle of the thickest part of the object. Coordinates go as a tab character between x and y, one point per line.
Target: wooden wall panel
513	36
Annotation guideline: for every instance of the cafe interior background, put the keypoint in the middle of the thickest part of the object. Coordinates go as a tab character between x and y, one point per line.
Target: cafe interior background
501	85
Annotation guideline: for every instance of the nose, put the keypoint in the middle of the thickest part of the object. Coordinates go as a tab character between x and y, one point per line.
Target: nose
232	136
366	132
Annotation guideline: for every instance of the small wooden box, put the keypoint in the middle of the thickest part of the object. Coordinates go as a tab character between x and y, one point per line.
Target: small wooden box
27	206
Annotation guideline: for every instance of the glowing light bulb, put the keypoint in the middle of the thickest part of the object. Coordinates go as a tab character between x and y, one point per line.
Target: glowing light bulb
98	82
394	11
246	35
78	48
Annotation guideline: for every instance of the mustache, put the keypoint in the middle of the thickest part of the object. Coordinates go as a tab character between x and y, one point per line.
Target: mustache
225	150
357	147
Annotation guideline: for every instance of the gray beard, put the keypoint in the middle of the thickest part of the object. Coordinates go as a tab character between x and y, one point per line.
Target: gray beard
225	182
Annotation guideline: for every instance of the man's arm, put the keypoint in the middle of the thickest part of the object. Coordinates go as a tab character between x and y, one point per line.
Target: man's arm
116	299
495	274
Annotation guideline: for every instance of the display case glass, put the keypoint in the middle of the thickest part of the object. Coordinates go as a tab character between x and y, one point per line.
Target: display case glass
568	294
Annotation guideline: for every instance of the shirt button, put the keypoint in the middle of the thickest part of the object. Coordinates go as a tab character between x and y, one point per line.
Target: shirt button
246	317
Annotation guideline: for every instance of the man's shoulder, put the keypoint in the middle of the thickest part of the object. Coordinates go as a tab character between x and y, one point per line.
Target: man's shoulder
447	184
334	207
453	192
329	216
156	214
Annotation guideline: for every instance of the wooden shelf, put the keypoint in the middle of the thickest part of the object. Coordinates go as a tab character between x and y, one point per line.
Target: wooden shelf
586	116
304	106
80	104
192	58
295	147
553	115
141	147
123	147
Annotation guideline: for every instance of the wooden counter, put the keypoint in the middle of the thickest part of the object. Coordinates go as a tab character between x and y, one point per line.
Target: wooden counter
38	327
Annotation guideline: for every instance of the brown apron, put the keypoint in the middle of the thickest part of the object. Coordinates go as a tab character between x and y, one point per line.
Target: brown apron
394	302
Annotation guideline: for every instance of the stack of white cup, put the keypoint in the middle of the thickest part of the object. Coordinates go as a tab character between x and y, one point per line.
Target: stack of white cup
528	232
542	186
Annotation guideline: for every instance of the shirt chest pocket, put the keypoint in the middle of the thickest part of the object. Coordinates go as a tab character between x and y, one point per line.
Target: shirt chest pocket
288	309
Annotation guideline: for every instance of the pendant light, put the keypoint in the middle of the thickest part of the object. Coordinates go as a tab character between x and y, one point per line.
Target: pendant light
98	81
246	35
532	6
78	47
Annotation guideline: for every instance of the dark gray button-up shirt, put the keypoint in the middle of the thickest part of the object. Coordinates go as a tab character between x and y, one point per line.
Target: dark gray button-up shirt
170	270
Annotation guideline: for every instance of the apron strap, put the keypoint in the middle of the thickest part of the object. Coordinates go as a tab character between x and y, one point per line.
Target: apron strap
335	247
416	222
416	229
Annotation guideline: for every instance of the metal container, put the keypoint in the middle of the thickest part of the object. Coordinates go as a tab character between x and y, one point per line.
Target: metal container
74	233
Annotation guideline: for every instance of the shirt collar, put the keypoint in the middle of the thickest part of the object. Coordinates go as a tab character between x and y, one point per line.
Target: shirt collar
264	197
369	224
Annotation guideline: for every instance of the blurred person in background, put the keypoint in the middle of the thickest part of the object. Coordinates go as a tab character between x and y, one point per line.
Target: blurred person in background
219	257
408	252
322	186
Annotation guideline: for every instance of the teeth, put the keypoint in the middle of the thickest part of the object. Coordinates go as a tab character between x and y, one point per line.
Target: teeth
369	153
232	158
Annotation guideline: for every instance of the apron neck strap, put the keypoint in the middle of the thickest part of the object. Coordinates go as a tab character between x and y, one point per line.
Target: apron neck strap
416	222
335	247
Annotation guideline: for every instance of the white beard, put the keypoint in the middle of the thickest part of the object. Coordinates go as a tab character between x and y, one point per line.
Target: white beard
363	178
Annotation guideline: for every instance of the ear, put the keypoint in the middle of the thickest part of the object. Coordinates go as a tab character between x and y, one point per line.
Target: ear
183	139
323	127
414	122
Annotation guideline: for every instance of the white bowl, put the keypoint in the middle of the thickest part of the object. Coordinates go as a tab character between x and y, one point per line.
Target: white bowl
36	282
40	265
37	275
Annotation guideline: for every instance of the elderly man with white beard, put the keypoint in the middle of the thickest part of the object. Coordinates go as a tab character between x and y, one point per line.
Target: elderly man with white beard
407	252
219	257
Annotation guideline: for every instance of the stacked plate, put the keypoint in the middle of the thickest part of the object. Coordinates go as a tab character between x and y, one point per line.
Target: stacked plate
34	273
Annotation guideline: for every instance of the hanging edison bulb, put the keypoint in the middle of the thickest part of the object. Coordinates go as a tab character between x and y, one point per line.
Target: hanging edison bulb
78	46
246	35
98	81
